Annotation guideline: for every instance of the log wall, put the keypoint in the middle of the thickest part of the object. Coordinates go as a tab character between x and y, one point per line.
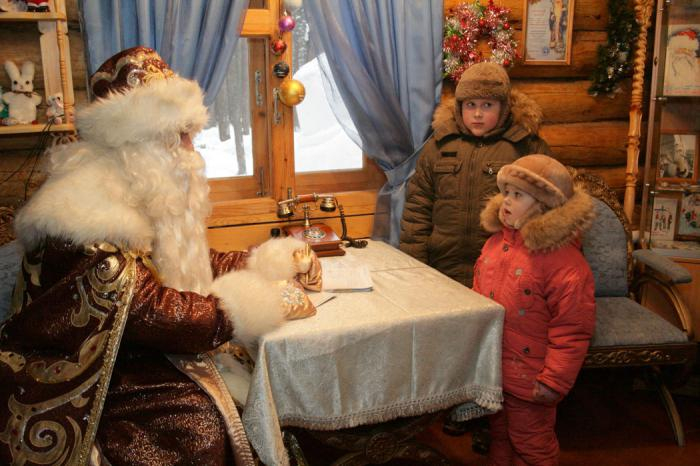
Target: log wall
589	133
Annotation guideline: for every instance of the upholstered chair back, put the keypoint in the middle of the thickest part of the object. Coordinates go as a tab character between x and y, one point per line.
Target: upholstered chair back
605	248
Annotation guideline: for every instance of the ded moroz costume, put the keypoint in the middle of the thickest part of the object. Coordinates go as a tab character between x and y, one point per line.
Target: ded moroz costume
119	298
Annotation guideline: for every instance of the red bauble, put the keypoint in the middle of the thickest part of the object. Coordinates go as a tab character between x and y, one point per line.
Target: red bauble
482	23
506	26
506	62
278	46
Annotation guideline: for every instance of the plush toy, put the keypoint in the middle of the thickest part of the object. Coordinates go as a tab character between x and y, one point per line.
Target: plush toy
55	111
37	6
22	100
13	6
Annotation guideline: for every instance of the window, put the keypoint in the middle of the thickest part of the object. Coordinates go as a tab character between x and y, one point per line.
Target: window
254	159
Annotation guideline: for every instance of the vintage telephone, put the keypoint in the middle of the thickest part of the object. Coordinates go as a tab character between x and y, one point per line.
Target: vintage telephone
322	238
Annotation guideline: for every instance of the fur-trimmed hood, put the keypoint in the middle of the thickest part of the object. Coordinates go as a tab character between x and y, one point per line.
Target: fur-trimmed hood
555	228
160	110
525	119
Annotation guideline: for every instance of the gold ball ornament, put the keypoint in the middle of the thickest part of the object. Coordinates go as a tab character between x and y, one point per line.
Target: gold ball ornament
292	92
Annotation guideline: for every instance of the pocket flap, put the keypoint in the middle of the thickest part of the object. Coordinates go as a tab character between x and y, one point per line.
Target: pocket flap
451	166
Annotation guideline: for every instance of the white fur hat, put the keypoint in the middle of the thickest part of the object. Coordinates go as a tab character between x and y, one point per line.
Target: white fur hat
139	99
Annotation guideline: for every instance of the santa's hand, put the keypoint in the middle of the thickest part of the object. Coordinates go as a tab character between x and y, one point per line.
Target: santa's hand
254	304
279	259
544	395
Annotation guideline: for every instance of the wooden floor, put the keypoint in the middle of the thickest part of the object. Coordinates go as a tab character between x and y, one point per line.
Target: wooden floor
610	418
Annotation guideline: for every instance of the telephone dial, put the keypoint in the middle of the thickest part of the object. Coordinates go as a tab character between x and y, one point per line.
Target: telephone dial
321	237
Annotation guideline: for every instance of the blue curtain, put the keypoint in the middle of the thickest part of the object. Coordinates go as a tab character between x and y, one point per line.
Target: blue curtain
385	59
196	38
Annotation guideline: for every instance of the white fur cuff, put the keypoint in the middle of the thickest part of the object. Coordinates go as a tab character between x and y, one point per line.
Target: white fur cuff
251	302
274	259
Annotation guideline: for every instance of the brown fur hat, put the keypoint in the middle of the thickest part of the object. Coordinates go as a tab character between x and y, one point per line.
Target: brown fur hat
541	176
484	80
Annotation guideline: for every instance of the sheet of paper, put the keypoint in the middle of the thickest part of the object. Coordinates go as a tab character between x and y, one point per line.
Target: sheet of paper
345	274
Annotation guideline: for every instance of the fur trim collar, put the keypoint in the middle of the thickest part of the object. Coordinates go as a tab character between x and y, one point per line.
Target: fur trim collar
525	112
555	228
85	205
159	110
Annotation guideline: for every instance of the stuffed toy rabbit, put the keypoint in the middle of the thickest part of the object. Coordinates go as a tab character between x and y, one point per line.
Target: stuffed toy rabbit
21	100
55	111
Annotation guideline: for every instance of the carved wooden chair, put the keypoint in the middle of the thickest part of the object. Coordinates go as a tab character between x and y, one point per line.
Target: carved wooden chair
627	333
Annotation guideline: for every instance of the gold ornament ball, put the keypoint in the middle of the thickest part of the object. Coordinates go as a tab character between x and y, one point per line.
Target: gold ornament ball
292	92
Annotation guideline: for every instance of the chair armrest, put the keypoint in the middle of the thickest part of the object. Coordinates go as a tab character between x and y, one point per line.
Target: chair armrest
663	265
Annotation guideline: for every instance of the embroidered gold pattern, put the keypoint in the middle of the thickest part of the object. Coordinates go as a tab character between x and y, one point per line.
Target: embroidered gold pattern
46	442
14	360
127	278
103	291
63	371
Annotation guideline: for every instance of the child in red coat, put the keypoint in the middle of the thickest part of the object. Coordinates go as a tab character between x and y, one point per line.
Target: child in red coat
533	266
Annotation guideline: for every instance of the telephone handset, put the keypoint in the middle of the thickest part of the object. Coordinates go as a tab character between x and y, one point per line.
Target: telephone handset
321	237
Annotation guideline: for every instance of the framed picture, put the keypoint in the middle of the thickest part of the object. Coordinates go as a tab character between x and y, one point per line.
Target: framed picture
663	219
678	157
689	217
547	31
682	65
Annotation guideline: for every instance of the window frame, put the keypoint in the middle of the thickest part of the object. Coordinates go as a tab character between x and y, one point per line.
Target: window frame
240	200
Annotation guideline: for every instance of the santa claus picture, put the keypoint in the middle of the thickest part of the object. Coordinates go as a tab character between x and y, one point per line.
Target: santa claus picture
682	75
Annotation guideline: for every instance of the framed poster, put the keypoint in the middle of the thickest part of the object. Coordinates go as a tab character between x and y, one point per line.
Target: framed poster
678	157
663	218
547	31
689	218
682	65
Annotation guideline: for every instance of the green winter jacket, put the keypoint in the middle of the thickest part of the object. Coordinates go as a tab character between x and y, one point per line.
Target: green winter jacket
455	174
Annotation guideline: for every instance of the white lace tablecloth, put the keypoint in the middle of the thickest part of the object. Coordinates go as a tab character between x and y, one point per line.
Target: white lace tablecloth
418	343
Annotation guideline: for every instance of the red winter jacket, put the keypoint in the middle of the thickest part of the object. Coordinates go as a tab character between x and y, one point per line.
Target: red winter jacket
546	286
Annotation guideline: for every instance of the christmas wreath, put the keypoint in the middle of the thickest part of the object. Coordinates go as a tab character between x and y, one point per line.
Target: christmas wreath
465	25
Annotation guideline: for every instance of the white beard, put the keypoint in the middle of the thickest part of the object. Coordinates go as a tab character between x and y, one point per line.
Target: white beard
172	188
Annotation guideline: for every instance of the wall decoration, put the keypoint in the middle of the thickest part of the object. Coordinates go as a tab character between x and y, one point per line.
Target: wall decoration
663	218
689	218
678	157
615	57
465	26
547	29
682	72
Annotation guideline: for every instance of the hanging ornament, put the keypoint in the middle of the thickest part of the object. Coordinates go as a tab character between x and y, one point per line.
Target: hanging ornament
469	23
278	46
292	92
286	23
281	69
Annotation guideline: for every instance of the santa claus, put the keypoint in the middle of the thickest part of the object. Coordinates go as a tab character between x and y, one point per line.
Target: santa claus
120	298
682	63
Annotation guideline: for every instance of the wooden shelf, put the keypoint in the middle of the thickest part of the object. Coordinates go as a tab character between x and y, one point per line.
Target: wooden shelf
32	17
27	129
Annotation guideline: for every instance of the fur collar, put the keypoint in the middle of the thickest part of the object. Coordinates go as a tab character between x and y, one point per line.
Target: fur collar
525	112
160	109
85	204
555	228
